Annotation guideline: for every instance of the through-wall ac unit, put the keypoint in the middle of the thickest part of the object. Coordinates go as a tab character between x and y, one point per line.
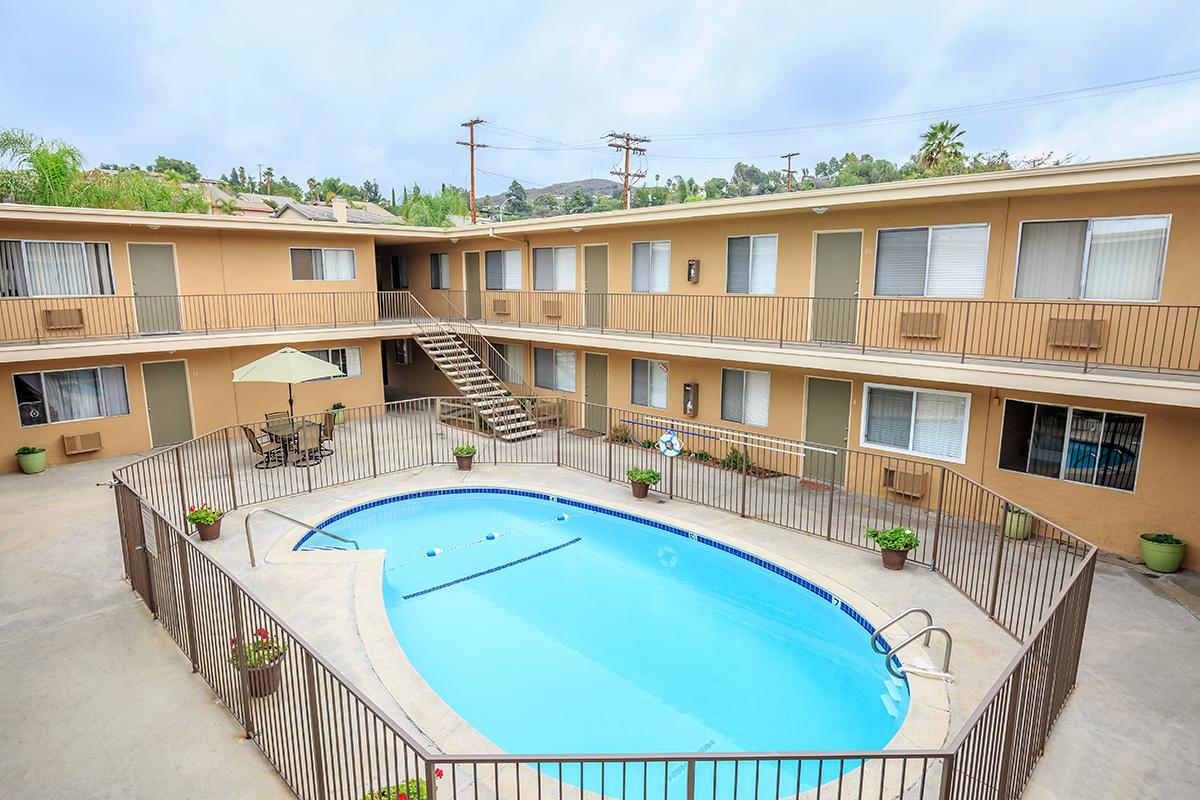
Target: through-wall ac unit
77	443
905	483
921	324
499	305
1085	333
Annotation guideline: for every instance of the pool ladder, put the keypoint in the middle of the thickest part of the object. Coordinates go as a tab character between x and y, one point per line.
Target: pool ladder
322	531
878	645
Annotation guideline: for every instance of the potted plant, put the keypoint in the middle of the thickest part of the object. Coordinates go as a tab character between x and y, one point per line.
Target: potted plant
464	454
1162	551
1017	522
894	544
262	656
32	460
339	413
412	789
207	521
642	480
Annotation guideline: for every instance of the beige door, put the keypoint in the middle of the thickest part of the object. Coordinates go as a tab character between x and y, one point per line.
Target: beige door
595	391
155	289
595	284
471	268
167	402
826	422
835	287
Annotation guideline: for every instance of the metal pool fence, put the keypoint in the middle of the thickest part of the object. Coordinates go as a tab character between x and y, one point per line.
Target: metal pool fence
328	740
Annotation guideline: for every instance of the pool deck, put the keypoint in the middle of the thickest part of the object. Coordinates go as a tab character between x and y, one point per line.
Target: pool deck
101	700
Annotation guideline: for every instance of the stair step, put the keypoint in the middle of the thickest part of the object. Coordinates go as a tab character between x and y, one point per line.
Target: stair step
513	437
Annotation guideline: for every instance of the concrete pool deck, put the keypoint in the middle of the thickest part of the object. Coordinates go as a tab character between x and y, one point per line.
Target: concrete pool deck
100	698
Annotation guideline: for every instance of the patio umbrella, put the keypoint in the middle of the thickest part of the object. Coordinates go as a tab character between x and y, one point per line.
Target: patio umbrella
289	366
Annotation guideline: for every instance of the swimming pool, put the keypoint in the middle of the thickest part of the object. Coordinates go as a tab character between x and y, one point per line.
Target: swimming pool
554	626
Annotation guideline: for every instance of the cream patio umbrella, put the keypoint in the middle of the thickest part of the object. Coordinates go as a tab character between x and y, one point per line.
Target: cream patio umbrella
289	366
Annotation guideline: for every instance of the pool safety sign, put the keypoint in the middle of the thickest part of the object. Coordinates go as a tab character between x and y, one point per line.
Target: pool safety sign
669	444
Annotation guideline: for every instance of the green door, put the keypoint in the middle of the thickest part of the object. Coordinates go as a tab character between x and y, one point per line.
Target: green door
152	267
826	422
835	287
167	402
595	391
595	284
471	267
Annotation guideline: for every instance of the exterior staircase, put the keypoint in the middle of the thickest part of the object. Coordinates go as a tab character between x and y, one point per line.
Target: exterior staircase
504	414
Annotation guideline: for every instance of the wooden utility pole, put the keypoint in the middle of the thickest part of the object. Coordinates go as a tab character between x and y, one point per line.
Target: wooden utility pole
789	171
630	144
472	146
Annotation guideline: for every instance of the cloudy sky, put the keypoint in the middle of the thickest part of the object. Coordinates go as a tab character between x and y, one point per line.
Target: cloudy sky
377	90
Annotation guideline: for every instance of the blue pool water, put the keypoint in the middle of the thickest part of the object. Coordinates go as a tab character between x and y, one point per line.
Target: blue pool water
577	630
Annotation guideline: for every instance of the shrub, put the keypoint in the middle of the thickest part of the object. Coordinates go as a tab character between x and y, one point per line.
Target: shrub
702	455
735	459
647	476
648	443
465	450
620	434
1162	538
29	451
203	514
894	538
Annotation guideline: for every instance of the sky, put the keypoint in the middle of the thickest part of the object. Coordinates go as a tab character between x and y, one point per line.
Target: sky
378	90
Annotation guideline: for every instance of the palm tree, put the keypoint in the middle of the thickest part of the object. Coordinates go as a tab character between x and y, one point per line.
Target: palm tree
51	166
941	141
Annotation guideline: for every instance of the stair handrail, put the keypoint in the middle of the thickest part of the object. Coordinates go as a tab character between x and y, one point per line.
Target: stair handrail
877	637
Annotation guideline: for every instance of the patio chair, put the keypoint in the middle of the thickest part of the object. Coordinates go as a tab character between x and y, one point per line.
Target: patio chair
271	453
278	419
308	446
327	433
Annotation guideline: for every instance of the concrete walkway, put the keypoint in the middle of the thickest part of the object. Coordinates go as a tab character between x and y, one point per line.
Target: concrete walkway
98	702
98	699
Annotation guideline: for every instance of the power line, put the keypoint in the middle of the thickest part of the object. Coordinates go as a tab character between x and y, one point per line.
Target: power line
470	126
630	144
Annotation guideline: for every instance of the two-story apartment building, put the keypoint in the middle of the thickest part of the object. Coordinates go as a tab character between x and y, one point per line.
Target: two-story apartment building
1038	330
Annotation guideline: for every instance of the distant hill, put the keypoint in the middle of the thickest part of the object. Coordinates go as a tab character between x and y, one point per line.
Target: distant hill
592	187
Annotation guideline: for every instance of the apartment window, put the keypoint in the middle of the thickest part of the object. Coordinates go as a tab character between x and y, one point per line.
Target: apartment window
69	394
399	272
439	270
322	264
347	359
917	422
508	362
750	264
502	270
33	269
936	261
1071	444
745	396
652	266
554	369
1115	258
649	381
553	269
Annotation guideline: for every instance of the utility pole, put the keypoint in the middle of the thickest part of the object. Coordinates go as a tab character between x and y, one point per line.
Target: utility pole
630	144
789	171
472	146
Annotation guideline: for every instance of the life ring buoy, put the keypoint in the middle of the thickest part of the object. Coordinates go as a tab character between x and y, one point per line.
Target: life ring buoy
669	444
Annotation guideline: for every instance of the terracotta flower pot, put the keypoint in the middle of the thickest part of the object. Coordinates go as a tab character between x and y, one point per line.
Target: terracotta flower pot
264	681
640	488
209	532
464	462
894	559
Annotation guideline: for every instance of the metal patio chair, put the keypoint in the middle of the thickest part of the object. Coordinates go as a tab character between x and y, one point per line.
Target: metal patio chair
327	422
308	445
270	452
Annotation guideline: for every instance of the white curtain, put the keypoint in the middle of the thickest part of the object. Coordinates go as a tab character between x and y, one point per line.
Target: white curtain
57	268
353	362
957	261
12	270
339	265
889	417
73	394
764	251
1050	260
938	426
564	370
116	396
1125	258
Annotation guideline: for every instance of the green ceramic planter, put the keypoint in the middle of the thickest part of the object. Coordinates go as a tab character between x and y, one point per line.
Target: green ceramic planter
1162	557
1017	524
32	463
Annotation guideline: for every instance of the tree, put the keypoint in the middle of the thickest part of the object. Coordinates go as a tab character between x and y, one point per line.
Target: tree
516	204
942	141
370	192
49	168
433	210
580	202
186	169
547	205
715	188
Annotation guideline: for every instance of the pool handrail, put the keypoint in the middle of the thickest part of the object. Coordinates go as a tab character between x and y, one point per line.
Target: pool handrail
312	528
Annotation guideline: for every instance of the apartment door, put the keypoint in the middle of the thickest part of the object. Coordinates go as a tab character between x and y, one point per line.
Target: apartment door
595	284
595	391
155	288
826	422
167	402
835	287
474	303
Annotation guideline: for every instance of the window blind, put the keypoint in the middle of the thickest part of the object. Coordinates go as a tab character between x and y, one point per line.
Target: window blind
889	417
554	269
763	254
649	382
1125	258
737	274
758	398
1050	260
900	262
957	261
493	267
651	266
512	270
733	393
938	425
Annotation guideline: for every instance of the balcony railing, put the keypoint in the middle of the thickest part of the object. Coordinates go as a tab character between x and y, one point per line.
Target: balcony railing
1086	336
